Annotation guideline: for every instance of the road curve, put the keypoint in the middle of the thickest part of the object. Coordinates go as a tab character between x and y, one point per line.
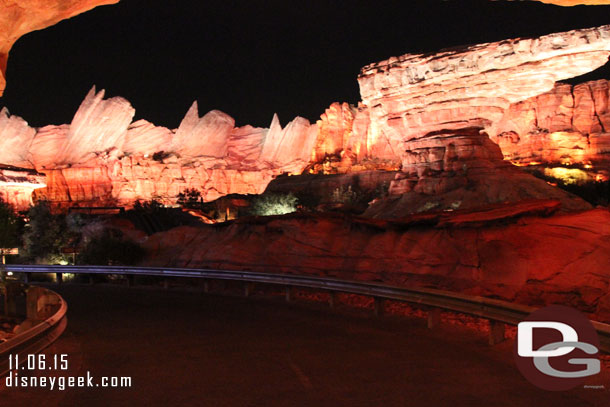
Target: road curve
188	349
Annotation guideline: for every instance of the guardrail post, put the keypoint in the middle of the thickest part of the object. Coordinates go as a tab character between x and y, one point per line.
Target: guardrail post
248	288
166	283
27	277
434	317
130	280
91	279
32	296
288	290
378	307
206	286
59	278
496	332
332	299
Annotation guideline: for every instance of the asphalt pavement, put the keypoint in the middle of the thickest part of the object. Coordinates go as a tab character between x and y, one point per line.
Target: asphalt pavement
184	348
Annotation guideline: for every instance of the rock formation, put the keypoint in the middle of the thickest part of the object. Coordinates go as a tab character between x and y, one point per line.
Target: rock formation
569	124
428	116
20	17
412	95
102	158
98	126
533	260
16	137
17	185
434	108
461	169
205	136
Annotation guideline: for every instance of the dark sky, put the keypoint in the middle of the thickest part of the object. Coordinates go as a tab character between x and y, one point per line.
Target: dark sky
251	58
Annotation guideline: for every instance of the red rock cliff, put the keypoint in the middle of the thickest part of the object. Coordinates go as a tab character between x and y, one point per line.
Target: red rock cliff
529	260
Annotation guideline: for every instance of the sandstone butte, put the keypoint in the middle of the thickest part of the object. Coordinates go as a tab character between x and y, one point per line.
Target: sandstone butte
20	17
426	117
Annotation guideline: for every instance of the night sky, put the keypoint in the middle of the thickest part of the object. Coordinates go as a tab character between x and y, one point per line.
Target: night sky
251	58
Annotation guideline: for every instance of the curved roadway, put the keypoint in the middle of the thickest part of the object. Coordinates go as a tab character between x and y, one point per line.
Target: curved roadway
188	349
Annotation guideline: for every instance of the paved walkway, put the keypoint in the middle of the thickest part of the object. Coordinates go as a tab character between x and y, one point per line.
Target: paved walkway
188	349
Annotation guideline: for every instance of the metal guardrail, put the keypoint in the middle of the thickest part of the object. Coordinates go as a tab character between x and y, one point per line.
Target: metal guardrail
496	311
42	334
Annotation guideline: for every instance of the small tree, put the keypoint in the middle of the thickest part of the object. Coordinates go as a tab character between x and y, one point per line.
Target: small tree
152	206
9	225
190	198
45	234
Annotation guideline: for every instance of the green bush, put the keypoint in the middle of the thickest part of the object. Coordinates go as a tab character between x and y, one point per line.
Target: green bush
274	204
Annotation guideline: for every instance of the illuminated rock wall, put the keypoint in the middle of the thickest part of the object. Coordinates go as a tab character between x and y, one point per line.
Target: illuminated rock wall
17	185
425	115
437	109
412	95
569	124
103	158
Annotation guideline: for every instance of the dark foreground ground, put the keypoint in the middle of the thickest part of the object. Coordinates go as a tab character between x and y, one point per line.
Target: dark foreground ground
188	349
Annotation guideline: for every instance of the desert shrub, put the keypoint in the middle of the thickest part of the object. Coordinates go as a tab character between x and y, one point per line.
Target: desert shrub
111	248
274	204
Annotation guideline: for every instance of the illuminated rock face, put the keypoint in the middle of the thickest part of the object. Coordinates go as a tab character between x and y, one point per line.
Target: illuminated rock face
17	185
98	126
412	95
569	124
427	115
125	180
20	17
433	109
348	141
103	158
15	139
290	147
205	136
460	169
